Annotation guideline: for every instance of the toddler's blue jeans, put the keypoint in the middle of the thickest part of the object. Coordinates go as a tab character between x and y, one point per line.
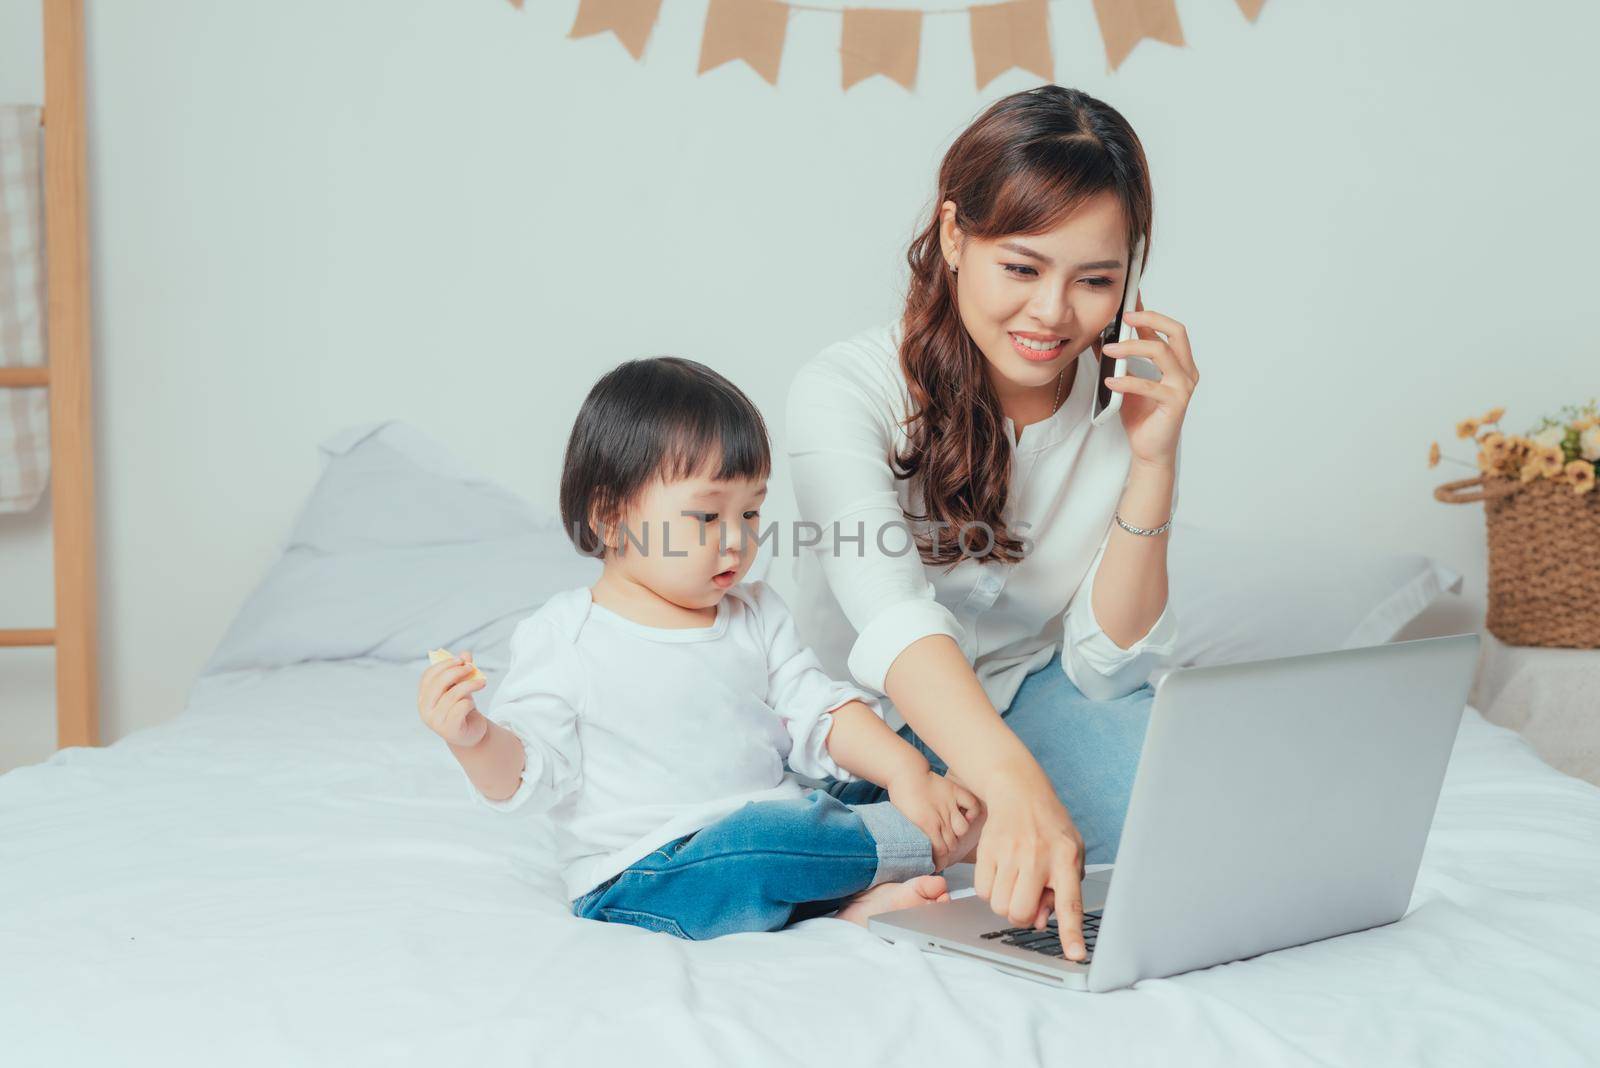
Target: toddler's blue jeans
766	865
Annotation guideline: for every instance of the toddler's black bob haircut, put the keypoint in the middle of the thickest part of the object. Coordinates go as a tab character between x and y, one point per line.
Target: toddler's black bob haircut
660	417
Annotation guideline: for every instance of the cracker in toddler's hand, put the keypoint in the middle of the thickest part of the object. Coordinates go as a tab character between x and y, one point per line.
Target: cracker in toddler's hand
437	655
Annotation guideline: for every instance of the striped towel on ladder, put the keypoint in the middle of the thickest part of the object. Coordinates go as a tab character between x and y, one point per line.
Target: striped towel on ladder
24	413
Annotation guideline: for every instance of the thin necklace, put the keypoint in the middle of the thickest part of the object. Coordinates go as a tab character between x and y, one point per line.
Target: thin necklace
1056	407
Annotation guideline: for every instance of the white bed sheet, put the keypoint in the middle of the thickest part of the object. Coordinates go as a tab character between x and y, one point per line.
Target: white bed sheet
291	873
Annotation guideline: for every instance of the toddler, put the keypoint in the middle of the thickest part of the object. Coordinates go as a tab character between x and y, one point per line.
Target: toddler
652	714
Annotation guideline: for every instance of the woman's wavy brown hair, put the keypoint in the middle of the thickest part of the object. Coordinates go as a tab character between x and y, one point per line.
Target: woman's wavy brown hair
1022	167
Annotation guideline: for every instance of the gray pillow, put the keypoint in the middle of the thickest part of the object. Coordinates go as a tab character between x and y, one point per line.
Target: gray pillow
399	549
1242	597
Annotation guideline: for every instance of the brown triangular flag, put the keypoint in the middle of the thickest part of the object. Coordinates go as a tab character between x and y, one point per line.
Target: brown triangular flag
751	30
1011	35
630	20
1252	8
880	41
1124	23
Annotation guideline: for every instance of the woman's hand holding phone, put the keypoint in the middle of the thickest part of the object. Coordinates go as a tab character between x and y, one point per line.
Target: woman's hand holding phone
1107	399
1153	411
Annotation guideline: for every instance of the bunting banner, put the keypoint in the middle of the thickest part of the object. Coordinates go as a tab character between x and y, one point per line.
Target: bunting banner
888	41
751	30
630	20
1124	23
880	41
1011	35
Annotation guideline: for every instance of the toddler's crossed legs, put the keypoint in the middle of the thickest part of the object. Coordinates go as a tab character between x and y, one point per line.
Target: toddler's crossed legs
771	862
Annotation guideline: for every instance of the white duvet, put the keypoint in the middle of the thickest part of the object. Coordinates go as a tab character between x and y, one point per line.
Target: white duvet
291	873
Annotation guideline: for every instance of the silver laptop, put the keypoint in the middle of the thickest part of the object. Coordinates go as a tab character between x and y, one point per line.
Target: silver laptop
1276	803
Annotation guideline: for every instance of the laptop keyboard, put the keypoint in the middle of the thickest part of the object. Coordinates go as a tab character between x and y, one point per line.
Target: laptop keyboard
1048	941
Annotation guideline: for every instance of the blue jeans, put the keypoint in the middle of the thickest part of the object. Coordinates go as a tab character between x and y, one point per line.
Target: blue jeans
1089	749
765	865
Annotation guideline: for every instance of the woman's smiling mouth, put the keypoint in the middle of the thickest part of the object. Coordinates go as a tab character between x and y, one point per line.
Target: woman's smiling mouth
1033	348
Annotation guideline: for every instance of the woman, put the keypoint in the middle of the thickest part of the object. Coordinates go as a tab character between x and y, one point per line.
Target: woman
1013	623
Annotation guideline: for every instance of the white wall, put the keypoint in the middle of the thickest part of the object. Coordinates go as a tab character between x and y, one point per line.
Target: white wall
1374	218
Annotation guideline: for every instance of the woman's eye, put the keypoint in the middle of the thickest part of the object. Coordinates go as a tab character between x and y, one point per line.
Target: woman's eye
707	517
752	514
1018	269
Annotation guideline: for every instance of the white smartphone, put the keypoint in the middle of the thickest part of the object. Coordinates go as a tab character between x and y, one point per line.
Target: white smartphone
1107	400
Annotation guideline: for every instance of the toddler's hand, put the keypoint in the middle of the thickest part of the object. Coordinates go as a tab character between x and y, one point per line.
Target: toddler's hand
444	700
941	808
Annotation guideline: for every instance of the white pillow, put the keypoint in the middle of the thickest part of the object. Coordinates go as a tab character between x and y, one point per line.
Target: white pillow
398	549
389	484
1242	597
397	602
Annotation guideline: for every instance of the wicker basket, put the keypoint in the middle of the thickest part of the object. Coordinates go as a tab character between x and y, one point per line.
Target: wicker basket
1544	559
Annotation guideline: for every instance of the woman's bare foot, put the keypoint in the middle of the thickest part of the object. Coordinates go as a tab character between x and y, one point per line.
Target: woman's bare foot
886	897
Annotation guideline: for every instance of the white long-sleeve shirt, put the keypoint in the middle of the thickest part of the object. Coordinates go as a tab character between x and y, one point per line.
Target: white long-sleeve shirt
861	602
636	735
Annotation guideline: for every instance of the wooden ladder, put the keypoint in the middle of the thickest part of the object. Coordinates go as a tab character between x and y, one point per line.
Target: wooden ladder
66	209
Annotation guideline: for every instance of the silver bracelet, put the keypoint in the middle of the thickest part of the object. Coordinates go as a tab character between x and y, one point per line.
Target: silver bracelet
1141	530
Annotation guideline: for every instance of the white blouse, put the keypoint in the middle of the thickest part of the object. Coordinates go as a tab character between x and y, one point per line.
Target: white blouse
864	594
636	735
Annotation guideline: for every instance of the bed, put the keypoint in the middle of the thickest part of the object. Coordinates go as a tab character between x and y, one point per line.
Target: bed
290	872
